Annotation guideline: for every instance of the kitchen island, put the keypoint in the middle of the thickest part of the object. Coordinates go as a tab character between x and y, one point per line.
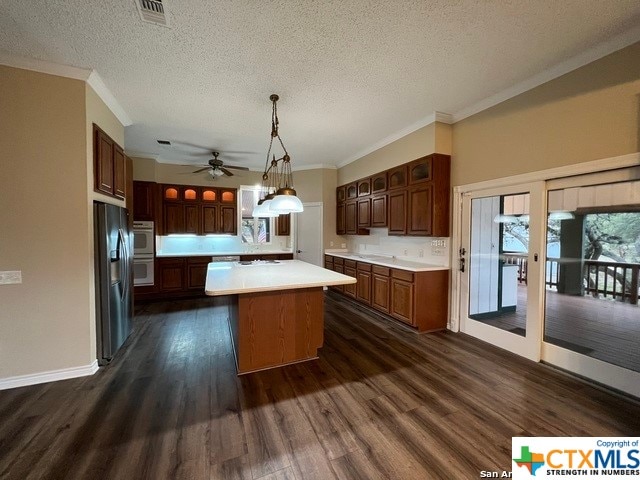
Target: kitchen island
275	309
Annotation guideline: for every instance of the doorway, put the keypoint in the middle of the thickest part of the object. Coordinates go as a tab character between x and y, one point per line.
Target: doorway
309	234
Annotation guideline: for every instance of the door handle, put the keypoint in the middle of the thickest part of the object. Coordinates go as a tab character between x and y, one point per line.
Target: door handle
298	251
462	262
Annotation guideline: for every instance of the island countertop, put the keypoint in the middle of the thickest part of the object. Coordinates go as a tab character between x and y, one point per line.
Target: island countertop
228	278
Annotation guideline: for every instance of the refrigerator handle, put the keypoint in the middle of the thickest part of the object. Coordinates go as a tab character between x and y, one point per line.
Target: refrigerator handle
124	272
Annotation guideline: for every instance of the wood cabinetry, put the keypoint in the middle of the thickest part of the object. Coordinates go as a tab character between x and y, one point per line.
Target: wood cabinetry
410	199
402	296
144	200
418	299
363	285
198	210
380	288
109	165
170	274
379	211
196	272
283	225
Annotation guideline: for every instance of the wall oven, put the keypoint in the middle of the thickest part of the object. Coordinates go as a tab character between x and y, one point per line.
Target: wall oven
143	271
143	238
143	253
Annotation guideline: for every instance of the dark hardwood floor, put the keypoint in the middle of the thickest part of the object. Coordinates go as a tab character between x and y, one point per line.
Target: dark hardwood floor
381	402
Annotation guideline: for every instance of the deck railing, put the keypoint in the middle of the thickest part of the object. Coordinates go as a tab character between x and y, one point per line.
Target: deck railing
609	279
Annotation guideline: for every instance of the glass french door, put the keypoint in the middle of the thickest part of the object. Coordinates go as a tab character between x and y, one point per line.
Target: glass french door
500	260
592	278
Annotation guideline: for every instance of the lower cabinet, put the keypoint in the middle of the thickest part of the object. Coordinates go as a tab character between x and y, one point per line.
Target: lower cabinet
419	299
196	273
170	274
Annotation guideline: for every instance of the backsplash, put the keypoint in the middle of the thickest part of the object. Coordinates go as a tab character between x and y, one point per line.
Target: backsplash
431	250
174	244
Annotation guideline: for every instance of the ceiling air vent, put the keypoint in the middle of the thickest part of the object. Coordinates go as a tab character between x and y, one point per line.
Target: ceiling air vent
153	11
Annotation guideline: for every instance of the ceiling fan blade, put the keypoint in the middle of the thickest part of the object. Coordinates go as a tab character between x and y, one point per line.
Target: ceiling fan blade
236	168
226	172
201	169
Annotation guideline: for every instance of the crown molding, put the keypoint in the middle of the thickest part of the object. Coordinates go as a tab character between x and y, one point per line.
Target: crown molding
423	122
602	50
314	166
43	66
95	82
89	76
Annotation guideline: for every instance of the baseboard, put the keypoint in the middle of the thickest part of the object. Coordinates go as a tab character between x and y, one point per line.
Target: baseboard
51	376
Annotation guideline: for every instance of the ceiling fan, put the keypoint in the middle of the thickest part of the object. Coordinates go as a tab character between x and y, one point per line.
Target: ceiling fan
217	168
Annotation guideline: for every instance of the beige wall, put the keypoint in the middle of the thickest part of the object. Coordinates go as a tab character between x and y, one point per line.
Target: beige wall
45	321
588	114
433	138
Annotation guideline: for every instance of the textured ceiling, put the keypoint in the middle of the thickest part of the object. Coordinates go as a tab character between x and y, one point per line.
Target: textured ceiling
349	72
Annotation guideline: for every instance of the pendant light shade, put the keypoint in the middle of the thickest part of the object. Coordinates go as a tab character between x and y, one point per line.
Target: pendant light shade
264	210
286	204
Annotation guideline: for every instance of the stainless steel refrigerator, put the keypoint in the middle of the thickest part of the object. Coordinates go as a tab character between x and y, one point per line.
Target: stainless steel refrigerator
113	267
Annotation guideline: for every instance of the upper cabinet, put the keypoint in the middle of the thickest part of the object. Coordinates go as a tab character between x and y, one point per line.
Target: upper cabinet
109	165
198	210
144	200
410	199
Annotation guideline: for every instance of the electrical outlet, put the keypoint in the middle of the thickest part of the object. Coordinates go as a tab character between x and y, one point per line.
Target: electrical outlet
344	245
406	252
421	253
10	277
331	244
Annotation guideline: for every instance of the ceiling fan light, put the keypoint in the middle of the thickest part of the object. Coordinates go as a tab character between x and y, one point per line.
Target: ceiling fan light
263	210
286	204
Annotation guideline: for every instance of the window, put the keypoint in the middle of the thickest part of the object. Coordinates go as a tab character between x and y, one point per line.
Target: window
254	229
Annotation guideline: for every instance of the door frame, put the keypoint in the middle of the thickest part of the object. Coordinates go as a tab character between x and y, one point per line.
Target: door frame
528	346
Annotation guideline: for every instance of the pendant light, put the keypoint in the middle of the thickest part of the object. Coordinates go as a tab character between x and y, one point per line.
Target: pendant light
277	180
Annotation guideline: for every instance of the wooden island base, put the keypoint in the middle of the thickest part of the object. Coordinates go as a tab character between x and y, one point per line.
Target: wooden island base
275	328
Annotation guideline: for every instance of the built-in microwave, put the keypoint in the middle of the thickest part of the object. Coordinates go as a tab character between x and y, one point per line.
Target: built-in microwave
143	238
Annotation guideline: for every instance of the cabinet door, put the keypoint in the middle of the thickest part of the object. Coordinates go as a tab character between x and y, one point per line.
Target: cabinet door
103	161
283	225
364	213
402	300
228	221
352	190
420	210
209	219
341	194
119	172
190	194
351	218
398	213
397	177
379	211
228	195
143	200
171	193
350	289
363	287
192	219
364	187
340	269
420	170
380	292
173	218
196	274
340	220
170	274
379	183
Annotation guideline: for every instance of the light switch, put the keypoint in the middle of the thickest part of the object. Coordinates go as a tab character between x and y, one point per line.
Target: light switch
9	277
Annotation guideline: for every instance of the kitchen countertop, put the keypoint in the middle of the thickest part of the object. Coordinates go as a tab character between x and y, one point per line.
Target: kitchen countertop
388	261
228	278
222	254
